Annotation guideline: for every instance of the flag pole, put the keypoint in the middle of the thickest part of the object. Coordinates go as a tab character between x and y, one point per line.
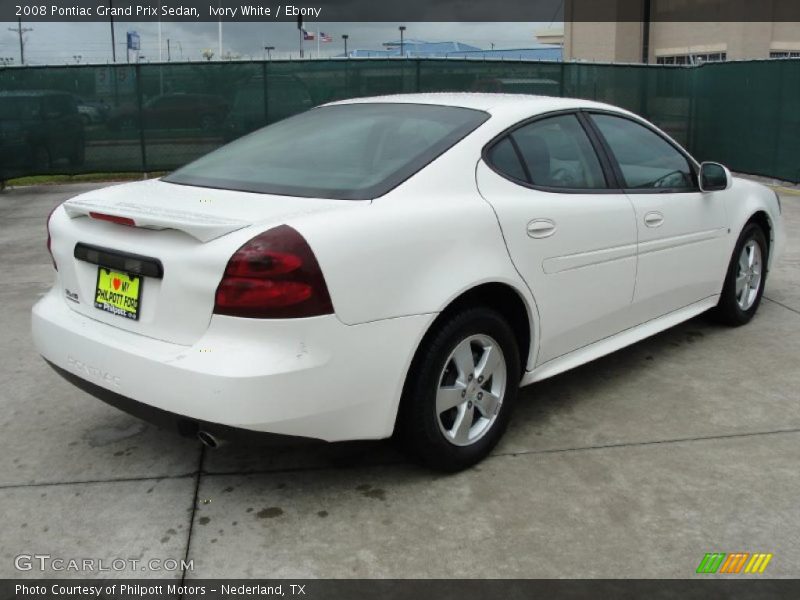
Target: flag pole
300	31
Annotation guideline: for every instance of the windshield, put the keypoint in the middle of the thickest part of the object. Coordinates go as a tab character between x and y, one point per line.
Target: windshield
348	151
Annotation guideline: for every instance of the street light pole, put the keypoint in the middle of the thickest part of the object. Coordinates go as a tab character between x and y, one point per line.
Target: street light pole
269	50
345	37
402	49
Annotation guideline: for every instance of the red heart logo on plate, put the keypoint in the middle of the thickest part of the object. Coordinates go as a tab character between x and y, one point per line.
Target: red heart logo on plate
116	282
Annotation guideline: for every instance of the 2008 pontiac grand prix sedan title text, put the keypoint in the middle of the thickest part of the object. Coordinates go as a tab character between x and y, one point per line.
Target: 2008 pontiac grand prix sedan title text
396	265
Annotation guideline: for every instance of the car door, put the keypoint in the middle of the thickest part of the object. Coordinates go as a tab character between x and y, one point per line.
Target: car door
569	233
682	231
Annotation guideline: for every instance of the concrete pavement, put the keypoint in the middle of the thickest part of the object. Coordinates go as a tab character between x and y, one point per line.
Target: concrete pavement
635	465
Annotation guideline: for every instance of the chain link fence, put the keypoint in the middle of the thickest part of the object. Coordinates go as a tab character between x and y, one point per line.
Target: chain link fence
156	117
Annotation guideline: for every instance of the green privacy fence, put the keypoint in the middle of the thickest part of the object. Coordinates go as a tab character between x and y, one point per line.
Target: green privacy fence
156	117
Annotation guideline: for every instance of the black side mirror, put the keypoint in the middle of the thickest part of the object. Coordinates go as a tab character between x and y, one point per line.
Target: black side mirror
714	177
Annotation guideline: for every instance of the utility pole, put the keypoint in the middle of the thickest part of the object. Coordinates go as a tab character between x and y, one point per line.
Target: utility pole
269	50
219	32
20	30
111	20
169	54
646	18
345	37
160	43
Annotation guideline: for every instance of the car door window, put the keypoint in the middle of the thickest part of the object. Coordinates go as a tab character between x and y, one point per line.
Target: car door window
557	153
647	160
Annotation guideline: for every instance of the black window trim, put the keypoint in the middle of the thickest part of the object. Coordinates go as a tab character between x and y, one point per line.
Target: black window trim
693	164
606	166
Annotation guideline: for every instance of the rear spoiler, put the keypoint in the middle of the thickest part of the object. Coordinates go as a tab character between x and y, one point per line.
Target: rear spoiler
201	226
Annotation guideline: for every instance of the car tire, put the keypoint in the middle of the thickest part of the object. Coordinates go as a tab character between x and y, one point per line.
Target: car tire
451	438
745	278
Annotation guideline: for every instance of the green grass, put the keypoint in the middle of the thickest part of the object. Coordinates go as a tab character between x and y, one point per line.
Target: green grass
81	178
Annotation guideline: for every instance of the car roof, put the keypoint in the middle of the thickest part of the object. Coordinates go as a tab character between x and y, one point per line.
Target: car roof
489	102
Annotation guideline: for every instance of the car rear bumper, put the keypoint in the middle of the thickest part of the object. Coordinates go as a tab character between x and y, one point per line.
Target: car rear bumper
185	426
314	378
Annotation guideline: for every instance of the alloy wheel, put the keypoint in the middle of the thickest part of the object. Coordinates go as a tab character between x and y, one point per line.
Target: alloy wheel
471	389
748	275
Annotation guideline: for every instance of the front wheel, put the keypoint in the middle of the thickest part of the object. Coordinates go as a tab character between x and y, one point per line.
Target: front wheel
745	279
460	390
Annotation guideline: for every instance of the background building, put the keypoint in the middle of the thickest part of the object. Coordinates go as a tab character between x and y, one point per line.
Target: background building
422	49
680	42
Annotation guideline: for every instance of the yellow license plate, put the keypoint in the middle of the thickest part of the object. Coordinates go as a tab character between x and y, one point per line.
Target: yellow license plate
118	293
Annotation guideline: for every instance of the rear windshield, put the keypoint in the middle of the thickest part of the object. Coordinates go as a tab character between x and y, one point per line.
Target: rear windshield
348	151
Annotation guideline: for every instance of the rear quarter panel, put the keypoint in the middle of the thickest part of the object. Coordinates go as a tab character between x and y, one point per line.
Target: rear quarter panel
415	249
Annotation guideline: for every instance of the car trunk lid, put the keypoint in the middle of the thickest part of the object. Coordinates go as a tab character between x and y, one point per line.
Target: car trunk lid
179	242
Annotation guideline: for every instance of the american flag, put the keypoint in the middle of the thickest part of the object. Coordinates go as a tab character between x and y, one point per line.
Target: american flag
307	36
324	37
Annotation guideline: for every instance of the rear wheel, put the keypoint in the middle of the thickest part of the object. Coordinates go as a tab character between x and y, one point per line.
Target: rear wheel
744	282
460	391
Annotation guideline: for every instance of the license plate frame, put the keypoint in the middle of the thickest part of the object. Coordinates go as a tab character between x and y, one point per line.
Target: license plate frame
118	293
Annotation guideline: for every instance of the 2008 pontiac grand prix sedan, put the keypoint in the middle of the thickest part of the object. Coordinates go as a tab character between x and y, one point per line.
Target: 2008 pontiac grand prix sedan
396	265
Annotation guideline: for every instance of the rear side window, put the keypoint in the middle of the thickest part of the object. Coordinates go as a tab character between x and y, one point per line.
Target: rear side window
555	153
647	160
503	156
348	151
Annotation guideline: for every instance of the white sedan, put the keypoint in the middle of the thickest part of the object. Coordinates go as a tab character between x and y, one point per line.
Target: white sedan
396	265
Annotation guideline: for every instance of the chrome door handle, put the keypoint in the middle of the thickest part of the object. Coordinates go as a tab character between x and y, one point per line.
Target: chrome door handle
654	219
541	228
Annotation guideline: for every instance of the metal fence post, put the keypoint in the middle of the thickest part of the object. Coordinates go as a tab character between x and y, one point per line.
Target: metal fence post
691	133
417	83
140	114
644	92
264	74
775	162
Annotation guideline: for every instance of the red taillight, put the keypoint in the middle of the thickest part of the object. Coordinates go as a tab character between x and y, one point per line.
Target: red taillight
50	239
273	276
113	219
